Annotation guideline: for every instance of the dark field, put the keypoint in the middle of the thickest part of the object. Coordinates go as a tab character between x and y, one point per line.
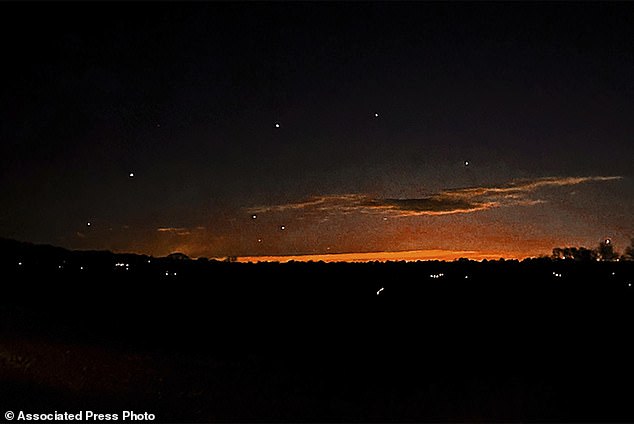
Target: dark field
538	340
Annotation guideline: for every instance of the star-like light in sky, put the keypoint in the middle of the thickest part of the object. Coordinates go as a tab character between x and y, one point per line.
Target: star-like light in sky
277	125
131	175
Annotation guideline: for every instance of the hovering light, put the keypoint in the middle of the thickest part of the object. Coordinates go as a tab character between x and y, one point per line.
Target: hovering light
614	273
131	175
59	267
376	115
88	224
254	216
277	125
19	263
148	261
81	268
283	227
259	240
174	274
629	284
167	273
466	163
380	290
607	241
466	276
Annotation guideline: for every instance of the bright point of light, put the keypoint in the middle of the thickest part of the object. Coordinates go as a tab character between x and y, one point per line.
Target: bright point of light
174	274
614	273
376	115
607	241
167	273
148	261
254	216
259	240
59	267
385	218
466	163
283	227
81	267
380	290
20	263
88	224
629	284
277	125
466	276
131	175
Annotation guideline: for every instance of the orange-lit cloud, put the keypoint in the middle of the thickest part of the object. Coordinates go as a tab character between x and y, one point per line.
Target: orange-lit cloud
445	202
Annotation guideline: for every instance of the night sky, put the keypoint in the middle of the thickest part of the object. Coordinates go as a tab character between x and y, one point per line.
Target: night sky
262	129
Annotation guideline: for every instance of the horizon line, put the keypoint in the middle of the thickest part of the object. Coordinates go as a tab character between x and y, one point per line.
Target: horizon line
387	256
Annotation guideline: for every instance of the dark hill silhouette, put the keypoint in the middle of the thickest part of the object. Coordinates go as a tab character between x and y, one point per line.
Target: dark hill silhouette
540	339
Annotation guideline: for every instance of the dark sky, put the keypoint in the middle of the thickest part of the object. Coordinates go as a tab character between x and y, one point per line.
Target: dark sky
537	98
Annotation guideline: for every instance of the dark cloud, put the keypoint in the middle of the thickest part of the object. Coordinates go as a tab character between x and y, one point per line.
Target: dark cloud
445	202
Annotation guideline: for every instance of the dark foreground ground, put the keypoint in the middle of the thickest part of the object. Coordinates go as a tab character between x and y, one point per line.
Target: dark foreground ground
229	342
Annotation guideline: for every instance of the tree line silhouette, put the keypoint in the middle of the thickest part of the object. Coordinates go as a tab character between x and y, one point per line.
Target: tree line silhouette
605	251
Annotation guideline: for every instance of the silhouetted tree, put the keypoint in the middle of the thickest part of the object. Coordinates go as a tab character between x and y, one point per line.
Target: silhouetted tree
178	256
629	251
606	251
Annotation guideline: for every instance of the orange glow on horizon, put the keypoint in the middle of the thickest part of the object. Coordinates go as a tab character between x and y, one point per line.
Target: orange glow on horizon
408	256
